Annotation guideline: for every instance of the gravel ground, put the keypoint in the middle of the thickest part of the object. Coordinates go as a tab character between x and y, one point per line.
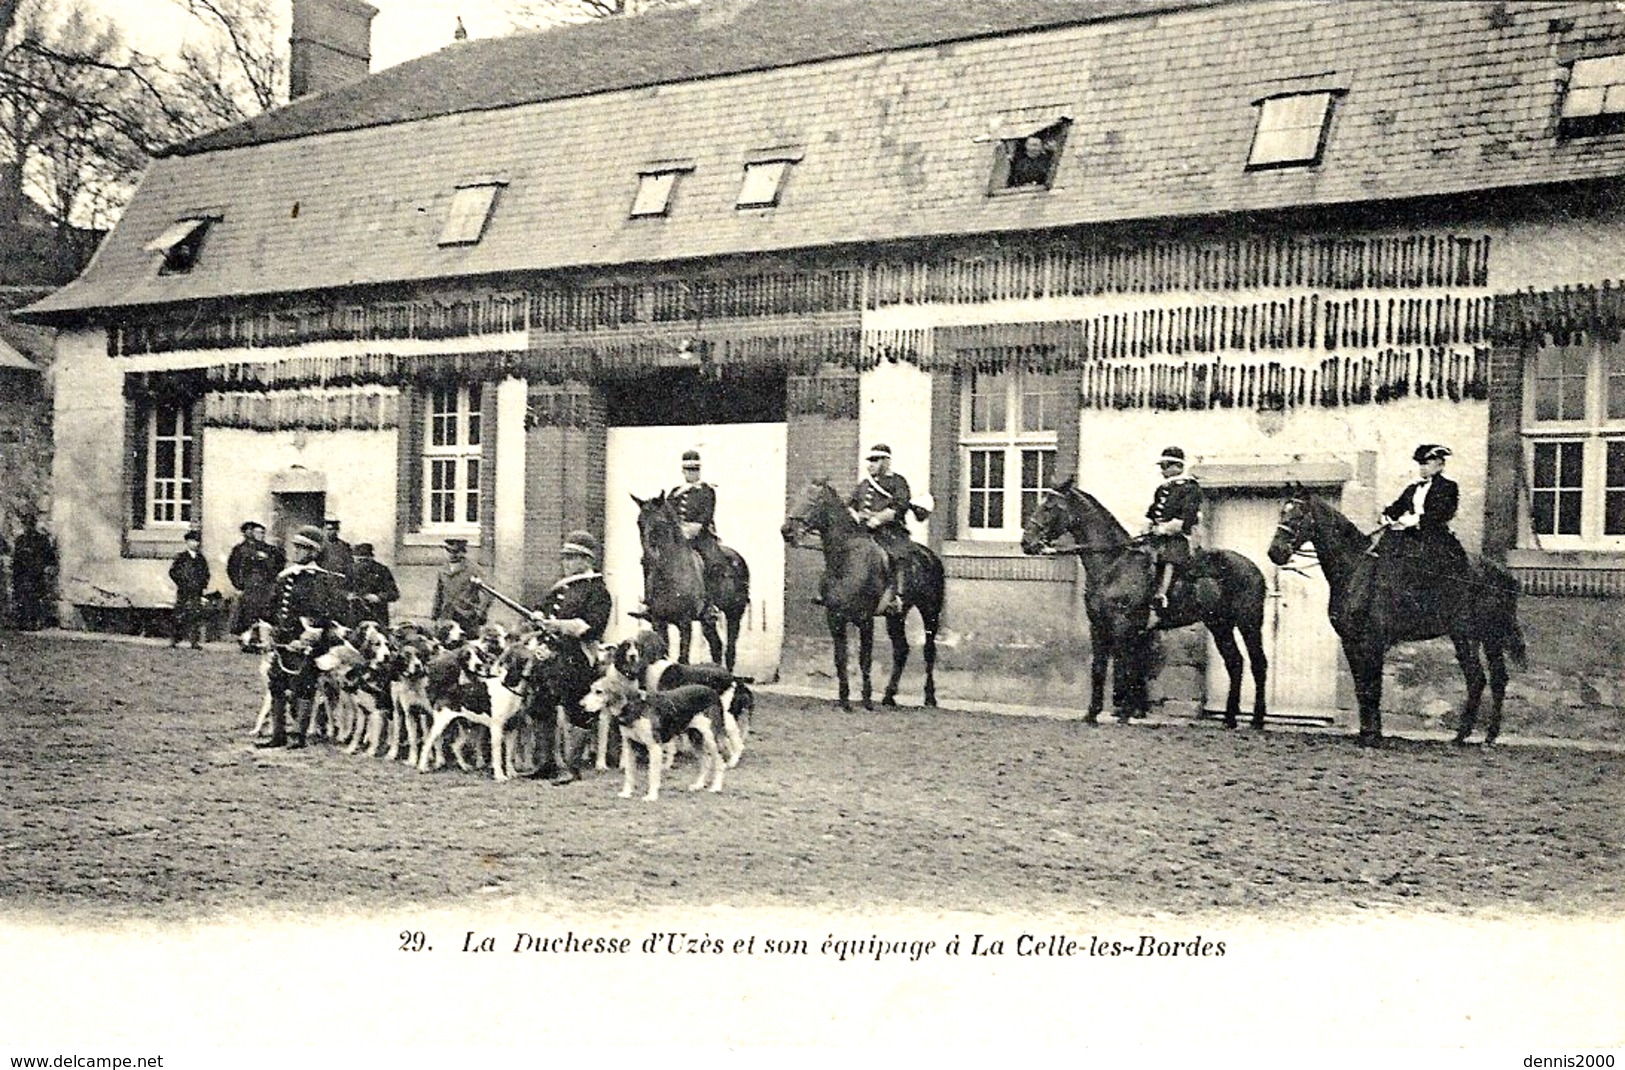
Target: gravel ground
132	792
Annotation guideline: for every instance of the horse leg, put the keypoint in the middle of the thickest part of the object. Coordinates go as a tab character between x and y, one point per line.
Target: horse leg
929	651
1365	664
1253	636
898	634
837	635
866	657
713	640
1225	639
685	640
1498	688
1099	657
735	620
1472	671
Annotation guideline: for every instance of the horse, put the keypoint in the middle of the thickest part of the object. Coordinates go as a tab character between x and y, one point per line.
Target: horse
674	581
856	575
727	587
1370	615
1221	589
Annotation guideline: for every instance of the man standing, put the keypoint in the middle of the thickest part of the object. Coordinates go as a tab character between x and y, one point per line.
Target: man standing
33	575
190	575
696	502
304	592
252	568
457	595
1176	509
337	557
880	503
374	586
578	605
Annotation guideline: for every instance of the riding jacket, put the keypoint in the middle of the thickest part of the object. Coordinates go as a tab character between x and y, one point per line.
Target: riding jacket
1179	498
456	598
584	597
886	491
697	504
305	591
1439	498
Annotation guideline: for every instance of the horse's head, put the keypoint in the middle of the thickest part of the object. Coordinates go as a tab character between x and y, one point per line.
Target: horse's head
1050	520
812	512
658	522
1295	527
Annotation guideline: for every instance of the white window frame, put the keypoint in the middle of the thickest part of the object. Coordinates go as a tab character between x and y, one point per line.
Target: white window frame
1596	89
762	183
1011	443
171	499
469	214
654	194
1283	136
454	473
181	244
1593	430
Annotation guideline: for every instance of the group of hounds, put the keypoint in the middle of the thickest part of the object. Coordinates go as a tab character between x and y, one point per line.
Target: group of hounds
422	694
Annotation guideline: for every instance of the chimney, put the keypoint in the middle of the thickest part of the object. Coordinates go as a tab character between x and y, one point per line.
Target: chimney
331	45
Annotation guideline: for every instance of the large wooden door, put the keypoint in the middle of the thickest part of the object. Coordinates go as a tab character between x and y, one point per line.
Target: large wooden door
1305	678
746	463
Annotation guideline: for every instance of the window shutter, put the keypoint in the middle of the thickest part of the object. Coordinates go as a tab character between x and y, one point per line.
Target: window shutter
409	460
945	387
1066	424
488	474
194	466
137	411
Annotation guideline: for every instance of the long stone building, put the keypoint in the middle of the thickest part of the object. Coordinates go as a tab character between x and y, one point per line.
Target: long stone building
492	292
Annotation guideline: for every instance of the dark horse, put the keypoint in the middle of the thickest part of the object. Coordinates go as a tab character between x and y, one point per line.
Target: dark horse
1219	588
855	577
675	583
1369	612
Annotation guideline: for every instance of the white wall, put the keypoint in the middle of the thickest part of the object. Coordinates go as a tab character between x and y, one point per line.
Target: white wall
894	407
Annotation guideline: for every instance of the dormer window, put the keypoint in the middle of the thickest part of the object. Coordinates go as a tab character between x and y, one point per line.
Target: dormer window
764	179
180	242
1291	130
1595	100
656	184
1028	155
470	210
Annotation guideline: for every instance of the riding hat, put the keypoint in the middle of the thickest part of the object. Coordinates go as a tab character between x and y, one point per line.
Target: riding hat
193	535
456	545
362	549
880	449
309	536
691	458
248	525
1428	451
582	543
1172	455
330	522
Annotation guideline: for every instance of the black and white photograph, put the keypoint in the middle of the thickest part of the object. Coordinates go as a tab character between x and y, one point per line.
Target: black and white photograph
1086	529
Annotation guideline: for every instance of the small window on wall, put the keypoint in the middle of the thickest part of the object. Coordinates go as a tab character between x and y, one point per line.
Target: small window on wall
452	456
181	243
1008	449
469	213
1594	102
1028	157
1291	130
654	194
762	184
1574	441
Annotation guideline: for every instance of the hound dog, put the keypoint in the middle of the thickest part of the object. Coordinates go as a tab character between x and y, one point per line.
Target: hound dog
468	684
654	720
409	695
631	660
359	665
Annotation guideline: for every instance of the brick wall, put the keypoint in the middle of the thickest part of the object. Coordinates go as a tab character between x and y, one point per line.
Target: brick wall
818	444
1504	454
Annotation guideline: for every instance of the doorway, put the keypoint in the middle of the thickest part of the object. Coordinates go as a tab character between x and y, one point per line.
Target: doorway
292	510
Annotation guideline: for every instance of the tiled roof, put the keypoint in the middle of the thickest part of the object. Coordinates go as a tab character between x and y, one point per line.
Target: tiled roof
1435	99
10	358
678	44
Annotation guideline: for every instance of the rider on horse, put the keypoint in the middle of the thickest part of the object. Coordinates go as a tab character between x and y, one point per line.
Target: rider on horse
1176	509
696	502
1416	528
881	502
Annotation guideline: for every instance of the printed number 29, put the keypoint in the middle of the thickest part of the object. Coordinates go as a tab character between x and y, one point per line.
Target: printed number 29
413	940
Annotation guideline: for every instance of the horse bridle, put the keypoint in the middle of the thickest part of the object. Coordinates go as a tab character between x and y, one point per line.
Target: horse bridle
1300	541
1051	550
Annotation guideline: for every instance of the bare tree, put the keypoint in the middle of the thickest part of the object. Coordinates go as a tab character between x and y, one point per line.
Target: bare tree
528	14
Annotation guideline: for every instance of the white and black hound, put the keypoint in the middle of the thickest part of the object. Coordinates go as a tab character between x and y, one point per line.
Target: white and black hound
653	720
